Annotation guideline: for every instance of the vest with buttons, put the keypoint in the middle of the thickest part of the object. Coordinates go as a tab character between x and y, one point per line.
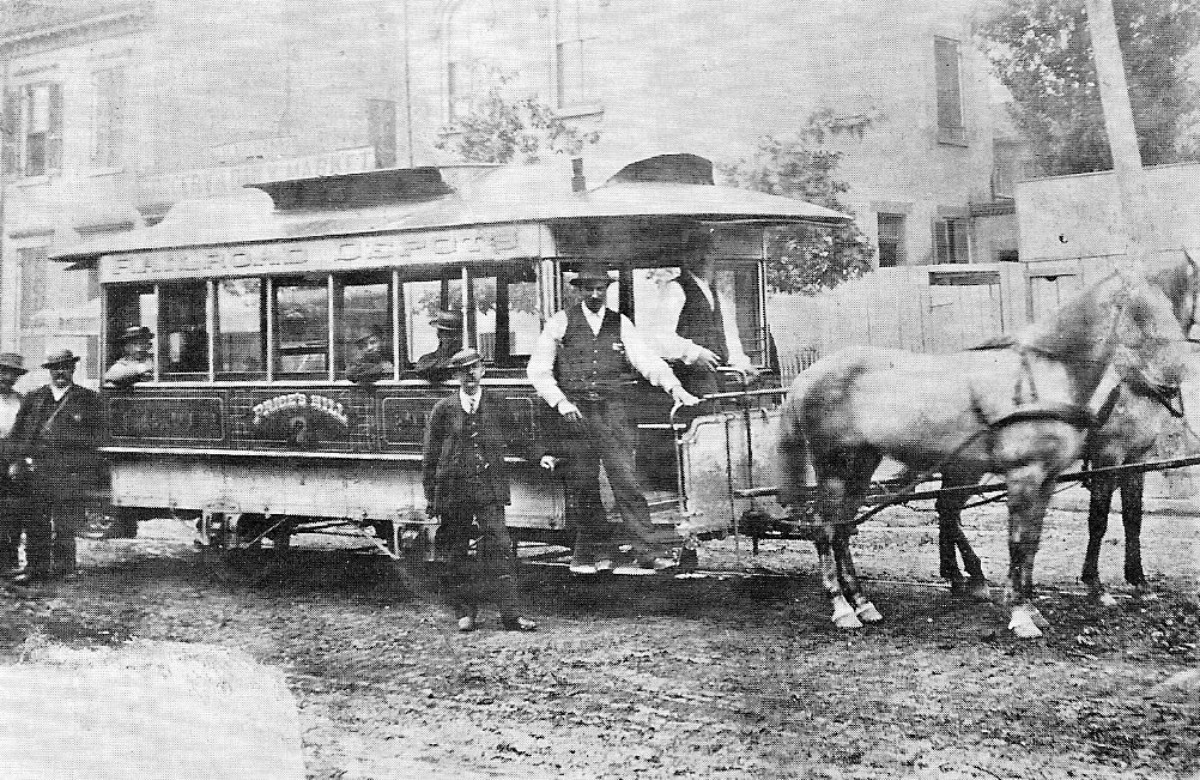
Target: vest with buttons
700	323
587	364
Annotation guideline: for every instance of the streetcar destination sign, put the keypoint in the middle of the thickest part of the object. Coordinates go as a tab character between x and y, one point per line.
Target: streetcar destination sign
329	254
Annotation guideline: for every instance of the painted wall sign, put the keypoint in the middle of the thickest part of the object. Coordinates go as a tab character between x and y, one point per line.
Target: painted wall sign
328	254
174	418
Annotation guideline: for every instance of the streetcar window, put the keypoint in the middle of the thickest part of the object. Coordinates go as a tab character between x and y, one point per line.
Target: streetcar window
422	302
302	327
506	315
129	307
524	316
241	329
362	305
183	331
658	295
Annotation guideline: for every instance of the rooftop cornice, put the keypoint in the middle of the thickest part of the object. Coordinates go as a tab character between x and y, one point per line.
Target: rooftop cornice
82	24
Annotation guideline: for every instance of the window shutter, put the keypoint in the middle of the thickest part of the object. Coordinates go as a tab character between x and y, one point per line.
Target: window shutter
54	146
941	242
11	131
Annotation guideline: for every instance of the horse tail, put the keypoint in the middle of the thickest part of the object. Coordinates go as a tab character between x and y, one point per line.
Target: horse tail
793	453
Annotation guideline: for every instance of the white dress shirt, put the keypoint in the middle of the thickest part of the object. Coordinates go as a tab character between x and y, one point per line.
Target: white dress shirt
640	355
470	403
666	317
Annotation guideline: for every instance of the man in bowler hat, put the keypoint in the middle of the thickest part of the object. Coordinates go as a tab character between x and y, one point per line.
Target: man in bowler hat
12	368
136	363
372	365
466	485
55	436
585	358
435	367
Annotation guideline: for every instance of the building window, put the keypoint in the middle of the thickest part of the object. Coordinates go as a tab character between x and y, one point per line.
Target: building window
949	92
571	56
891	240
33	283
35	111
950	240
109	119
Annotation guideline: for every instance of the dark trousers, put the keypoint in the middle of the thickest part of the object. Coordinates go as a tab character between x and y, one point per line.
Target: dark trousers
11	507
605	436
55	508
697	380
493	568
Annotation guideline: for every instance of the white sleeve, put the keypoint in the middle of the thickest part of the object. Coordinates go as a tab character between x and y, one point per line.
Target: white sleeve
663	321
541	362
733	341
644	359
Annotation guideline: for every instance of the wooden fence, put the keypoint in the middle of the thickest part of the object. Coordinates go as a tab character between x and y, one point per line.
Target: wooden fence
938	308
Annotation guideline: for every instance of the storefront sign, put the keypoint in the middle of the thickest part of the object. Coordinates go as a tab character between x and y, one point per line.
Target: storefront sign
454	245
212	182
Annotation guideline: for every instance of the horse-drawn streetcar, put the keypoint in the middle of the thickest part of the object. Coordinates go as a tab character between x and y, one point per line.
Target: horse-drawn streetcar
248	421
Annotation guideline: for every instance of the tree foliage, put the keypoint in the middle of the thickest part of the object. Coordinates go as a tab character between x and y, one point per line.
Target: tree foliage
1042	51
500	128
807	258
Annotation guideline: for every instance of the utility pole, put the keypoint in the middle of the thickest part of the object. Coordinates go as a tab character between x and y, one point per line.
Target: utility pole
1122	136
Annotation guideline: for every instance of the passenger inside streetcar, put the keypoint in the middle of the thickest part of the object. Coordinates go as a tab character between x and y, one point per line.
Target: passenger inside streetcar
372	363
435	366
136	363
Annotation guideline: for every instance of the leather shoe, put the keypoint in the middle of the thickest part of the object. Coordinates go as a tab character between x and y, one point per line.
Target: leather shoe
519	624
466	624
583	569
644	566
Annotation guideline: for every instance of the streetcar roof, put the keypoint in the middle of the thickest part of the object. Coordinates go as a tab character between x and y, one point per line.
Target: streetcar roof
414	199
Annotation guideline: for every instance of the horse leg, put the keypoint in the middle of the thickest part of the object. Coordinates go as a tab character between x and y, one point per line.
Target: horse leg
1132	486
952	542
843	614
1028	496
1099	504
864	610
862	467
830	502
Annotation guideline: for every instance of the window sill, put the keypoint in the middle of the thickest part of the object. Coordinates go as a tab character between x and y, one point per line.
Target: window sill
952	136
579	111
33	181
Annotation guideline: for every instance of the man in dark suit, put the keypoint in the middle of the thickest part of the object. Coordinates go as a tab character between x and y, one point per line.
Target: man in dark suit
55	437
466	485
435	367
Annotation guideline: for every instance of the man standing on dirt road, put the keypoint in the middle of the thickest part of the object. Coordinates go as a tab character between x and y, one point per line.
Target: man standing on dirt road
584	360
12	367
57	430
466	485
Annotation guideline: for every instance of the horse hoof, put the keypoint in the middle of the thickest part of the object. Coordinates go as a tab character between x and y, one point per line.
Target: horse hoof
1024	624
843	615
867	613
847	621
978	590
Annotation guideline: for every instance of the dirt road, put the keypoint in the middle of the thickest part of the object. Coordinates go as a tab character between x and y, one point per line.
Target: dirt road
724	676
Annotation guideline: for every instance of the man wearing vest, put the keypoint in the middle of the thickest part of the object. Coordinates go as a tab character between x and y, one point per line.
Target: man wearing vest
700	325
466	485
57	430
582	363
